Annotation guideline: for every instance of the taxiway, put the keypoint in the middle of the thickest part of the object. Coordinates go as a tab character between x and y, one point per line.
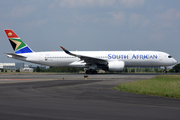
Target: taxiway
70	96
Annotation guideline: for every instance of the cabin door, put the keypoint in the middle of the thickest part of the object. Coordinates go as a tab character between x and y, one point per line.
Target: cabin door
41	57
160	56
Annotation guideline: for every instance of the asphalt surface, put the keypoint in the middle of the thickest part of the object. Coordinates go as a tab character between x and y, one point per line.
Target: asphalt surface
70	97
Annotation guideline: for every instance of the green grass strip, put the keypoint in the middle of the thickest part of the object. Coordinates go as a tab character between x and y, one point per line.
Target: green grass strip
164	85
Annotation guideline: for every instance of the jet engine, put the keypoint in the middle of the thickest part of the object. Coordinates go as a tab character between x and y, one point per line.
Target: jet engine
116	66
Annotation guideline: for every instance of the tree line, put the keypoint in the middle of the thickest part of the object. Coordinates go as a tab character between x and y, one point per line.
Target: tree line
175	69
59	69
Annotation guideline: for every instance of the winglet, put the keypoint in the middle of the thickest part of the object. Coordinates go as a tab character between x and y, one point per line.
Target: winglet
66	51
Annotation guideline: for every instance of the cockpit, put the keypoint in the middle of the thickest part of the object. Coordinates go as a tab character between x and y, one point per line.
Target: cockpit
169	56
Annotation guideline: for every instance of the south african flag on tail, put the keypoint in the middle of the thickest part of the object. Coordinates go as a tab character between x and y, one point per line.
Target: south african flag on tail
17	44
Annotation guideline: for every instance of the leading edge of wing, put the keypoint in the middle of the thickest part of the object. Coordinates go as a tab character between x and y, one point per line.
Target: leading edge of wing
87	59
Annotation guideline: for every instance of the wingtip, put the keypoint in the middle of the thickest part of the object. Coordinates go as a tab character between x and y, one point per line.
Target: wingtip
66	51
61	47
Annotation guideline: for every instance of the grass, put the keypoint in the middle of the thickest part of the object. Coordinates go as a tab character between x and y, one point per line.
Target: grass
164	85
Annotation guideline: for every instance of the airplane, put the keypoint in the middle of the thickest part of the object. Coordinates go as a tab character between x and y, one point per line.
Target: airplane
90	60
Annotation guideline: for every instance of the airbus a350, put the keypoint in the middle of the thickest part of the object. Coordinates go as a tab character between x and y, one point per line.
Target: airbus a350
91	60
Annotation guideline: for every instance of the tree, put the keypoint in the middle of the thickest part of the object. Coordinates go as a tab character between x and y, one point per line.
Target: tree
156	70
171	70
61	69
38	69
125	70
147	70
176	68
133	70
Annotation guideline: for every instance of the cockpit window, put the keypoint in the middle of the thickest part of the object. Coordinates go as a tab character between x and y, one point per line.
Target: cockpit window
169	56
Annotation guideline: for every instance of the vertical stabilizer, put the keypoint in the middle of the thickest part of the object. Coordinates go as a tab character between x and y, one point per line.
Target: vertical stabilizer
17	44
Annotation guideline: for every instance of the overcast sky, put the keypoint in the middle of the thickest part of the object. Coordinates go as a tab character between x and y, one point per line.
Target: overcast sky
92	25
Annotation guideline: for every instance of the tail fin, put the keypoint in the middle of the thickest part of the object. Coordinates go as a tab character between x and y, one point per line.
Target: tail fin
17	44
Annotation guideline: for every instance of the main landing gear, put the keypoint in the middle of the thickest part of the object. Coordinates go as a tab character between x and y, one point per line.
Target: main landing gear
91	71
165	70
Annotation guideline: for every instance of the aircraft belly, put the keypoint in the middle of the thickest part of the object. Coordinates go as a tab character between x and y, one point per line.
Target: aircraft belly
142	63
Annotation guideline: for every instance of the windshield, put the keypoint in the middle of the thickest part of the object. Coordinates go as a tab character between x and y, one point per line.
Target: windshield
169	56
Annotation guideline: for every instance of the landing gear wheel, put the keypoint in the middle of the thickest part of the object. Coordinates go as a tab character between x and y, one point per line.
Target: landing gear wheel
94	72
91	72
88	72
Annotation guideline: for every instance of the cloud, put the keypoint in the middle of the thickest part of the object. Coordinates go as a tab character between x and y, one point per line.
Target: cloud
84	3
101	3
158	36
20	11
145	22
41	22
168	18
134	19
36	23
118	18
160	7
53	5
131	3
72	31
76	17
165	24
81	18
137	19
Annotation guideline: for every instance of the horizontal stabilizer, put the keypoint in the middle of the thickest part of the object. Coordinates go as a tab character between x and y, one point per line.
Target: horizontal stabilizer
15	55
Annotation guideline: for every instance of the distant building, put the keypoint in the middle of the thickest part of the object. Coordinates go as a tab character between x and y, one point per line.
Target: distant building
26	70
11	66
19	66
7	66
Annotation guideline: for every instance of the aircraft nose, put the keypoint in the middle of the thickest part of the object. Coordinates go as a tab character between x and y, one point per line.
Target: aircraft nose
175	61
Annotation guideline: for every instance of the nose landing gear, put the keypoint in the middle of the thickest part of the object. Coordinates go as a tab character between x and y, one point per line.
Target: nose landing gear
165	70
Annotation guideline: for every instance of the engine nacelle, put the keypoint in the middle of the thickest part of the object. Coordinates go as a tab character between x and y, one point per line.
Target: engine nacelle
116	66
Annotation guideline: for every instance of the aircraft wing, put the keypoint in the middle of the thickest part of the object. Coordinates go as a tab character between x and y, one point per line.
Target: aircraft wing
15	55
87	59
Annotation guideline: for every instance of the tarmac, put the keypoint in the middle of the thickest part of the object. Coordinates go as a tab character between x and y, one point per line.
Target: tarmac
72	97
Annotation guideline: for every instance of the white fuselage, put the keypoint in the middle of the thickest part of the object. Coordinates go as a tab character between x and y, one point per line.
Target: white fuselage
130	58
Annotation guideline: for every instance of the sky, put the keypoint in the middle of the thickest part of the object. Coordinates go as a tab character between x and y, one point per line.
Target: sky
92	25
